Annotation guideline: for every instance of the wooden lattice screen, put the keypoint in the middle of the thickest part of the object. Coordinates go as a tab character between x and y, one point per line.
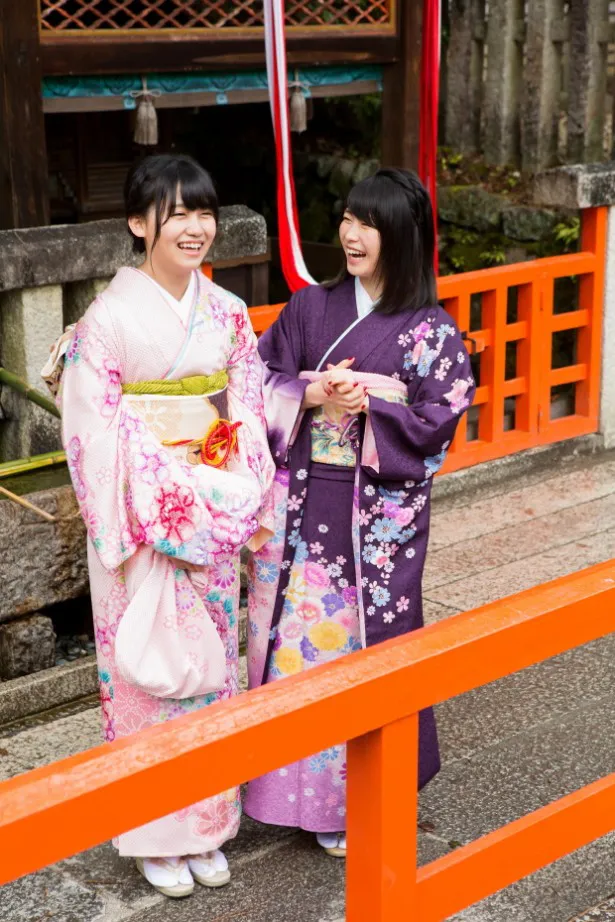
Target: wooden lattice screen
95	15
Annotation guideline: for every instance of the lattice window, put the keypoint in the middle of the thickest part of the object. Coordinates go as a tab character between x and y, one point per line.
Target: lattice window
86	15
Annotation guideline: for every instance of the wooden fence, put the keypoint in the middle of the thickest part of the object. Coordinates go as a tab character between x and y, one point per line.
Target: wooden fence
529	82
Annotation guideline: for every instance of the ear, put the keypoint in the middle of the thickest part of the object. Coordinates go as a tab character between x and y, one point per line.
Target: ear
137	225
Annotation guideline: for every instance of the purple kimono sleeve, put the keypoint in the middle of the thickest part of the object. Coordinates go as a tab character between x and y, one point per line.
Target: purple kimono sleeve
281	348
411	441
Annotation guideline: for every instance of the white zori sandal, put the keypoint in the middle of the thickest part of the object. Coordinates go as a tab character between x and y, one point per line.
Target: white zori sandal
210	869
334	843
170	876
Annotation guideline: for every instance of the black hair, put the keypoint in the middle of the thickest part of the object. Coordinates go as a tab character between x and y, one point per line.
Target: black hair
154	181
396	203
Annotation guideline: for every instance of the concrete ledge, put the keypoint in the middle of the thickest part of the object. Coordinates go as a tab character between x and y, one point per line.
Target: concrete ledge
48	689
77	252
518	465
581	186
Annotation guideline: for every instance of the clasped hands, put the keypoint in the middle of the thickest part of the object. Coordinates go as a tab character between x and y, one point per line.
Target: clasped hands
338	386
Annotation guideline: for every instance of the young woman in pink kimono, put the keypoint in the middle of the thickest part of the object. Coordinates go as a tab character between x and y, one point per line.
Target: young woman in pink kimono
367	380
161	375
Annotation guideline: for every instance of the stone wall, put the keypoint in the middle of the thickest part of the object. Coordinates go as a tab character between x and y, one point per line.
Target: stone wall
528	83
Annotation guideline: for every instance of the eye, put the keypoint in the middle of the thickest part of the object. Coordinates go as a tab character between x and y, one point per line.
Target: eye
179	214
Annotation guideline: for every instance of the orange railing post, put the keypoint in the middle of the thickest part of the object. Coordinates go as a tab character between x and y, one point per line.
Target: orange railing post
370	698
382	818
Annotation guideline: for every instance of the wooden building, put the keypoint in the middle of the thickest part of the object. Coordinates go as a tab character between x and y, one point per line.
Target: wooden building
72	58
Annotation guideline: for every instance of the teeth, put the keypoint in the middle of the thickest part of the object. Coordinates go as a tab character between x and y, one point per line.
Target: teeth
355	253
189	246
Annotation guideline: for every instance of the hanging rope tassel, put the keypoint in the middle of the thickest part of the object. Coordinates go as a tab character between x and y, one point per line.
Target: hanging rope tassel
297	106
298	111
146	124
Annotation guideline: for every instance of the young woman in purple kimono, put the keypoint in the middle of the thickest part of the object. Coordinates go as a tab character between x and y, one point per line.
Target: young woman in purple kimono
367	380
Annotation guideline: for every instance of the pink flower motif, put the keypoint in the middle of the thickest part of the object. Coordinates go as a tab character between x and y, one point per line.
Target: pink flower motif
390	509
316	575
421	331
294	503
310	612
292	631
380	559
419	351
364	517
457	395
193	632
404	516
403	604
214	818
349	595
152	465
316	548
175	512
225	574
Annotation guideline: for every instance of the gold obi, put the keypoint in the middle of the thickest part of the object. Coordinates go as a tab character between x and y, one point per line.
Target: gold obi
183	423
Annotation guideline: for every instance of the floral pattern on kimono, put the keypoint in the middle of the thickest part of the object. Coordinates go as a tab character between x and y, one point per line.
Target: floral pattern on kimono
387	515
135	494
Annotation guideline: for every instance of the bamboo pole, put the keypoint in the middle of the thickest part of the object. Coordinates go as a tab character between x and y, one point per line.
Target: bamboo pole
28	505
30	393
34	463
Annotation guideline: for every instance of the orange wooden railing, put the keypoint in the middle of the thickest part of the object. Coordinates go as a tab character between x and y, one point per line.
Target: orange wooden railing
514	325
371	698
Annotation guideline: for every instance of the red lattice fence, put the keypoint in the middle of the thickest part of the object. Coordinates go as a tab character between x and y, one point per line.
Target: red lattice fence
122	15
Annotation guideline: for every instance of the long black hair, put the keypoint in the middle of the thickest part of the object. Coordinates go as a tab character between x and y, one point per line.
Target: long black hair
396	203
155	180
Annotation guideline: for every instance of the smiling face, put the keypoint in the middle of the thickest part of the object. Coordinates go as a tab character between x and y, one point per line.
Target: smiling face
361	245
185	238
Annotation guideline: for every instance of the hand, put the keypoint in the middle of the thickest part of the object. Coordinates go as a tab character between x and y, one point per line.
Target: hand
319	392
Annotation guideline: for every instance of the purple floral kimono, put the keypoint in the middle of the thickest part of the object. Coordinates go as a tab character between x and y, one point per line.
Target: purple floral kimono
344	568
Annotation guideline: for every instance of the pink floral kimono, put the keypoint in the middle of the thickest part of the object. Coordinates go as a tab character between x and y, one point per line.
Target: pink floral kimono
144	505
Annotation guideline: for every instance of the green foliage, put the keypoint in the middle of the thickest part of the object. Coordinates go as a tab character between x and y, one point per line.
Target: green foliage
494	256
568	233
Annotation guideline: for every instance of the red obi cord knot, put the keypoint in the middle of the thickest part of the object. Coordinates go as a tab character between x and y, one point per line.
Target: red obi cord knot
220	443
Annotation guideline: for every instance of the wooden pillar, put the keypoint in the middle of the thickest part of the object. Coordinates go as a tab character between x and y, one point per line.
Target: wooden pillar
24	195
401	92
587	79
465	74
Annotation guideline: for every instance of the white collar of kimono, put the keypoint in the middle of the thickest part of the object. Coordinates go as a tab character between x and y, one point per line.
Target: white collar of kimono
365	305
183	306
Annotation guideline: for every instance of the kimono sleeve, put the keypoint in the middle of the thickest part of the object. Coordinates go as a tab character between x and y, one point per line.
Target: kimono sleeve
411	441
130	489
281	348
246	373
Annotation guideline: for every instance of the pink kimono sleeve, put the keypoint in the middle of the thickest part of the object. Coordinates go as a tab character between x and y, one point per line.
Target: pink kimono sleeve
131	490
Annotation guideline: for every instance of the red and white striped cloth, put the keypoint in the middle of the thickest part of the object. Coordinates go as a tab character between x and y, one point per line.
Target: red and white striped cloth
293	264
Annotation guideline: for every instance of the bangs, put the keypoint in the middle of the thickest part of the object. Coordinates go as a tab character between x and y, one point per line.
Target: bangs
365	202
191	182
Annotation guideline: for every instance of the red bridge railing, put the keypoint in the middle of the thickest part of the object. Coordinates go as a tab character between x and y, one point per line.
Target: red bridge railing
372	699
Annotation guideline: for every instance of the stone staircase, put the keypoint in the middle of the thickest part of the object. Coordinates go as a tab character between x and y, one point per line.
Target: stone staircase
507	748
